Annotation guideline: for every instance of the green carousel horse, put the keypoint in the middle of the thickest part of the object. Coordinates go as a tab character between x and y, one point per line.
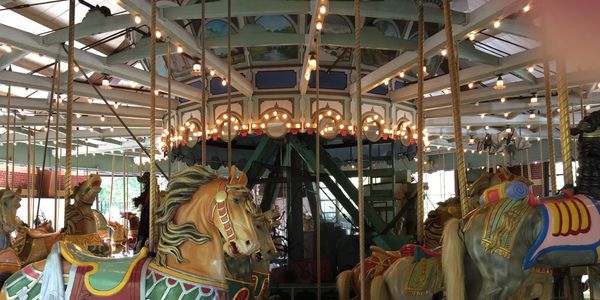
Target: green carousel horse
248	277
199	209
495	249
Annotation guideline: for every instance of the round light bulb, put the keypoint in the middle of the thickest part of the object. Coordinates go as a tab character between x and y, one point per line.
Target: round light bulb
319	25
497	24
323	9
158	34
179	49
137	19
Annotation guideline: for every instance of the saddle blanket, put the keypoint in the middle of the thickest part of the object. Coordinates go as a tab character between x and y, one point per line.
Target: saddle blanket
567	224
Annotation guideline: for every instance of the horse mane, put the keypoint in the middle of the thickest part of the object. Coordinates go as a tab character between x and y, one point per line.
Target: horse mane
180	190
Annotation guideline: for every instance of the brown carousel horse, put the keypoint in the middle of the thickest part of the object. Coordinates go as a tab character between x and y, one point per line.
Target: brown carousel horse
248	277
82	227
143	204
133	228
201	216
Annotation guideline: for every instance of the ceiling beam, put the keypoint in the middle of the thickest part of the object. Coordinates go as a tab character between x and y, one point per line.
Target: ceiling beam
9	58
496	107
32	43
388	9
93	23
190	44
511	90
111	141
467	50
309	46
86	134
80	106
476	73
253	36
525	75
83	122
480	18
520	28
141	50
81	89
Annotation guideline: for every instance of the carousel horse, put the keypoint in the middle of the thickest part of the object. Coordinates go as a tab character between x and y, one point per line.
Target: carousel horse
134	225
9	203
200	210
248	277
380	260
414	271
504	239
86	227
118	239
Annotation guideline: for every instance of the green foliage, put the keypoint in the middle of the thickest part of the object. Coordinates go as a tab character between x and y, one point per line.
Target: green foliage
133	190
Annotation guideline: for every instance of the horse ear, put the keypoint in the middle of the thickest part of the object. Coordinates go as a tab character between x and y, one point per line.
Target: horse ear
243	180
233	175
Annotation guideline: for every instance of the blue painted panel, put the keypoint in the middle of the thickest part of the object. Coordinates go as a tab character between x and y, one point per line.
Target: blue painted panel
381	89
398	84
329	80
216	88
275	79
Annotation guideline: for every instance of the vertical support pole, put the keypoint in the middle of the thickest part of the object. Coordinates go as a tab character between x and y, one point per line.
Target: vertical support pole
168	108
152	199
455	88
29	175
230	138
549	120
12	146
318	164
420	125
69	112
204	84
7	136
563	105
359	148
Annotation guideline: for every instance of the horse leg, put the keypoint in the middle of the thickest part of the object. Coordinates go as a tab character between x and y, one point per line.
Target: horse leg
379	289
343	283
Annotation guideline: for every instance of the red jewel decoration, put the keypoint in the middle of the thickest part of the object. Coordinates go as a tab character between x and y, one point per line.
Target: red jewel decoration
309	131
214	137
344	133
244	133
258	132
385	136
294	131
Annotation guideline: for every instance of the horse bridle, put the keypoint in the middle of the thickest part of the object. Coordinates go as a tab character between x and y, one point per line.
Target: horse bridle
220	206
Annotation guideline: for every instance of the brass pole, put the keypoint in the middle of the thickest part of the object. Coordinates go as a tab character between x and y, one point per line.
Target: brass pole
229	61
204	85
152	199
359	148
7	136
12	146
420	125
563	106
318	165
549	120
455	90
168	107
69	113
29	175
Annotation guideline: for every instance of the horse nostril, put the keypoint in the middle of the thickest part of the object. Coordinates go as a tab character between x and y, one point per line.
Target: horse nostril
247	242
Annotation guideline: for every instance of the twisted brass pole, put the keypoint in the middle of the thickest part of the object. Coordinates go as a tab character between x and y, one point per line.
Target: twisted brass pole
563	106
420	125
69	113
359	149
455	95
318	164
152	229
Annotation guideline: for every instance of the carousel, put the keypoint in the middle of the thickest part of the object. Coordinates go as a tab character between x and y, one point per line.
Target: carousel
322	149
